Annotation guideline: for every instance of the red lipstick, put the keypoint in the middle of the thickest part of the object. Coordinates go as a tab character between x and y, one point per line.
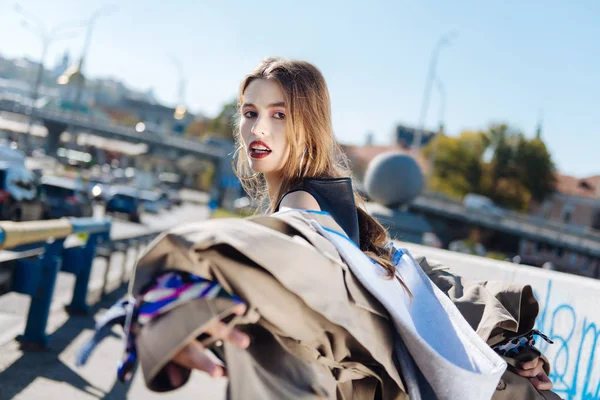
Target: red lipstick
258	149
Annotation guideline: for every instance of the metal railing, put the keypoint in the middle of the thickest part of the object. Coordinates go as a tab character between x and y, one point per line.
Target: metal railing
552	233
40	249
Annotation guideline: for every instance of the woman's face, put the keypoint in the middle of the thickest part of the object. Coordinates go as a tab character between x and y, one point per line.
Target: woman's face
263	126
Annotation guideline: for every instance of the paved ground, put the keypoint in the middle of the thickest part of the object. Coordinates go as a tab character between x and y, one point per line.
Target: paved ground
52	374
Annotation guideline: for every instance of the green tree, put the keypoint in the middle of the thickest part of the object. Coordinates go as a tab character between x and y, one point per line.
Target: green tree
520	169
535	168
458	169
499	163
498	139
224	123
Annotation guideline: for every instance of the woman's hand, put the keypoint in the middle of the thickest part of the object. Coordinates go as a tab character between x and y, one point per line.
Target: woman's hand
534	370
193	355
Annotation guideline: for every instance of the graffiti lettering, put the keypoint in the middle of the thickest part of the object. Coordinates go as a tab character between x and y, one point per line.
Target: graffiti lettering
575	370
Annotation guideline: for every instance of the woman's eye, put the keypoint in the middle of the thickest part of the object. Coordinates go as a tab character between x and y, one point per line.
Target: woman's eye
249	114
279	115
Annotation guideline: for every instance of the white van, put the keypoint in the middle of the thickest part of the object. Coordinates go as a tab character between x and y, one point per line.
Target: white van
474	201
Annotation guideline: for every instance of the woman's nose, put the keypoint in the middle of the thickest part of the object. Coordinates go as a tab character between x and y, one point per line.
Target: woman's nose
258	128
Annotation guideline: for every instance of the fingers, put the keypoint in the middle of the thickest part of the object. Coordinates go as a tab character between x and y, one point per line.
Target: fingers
238	338
239	309
221	331
531	364
530	373
541	382
534	370
192	356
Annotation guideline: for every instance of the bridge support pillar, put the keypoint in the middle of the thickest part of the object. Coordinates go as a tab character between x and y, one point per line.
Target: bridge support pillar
55	129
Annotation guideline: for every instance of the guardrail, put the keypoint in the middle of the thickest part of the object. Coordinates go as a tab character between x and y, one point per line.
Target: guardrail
536	220
40	249
585	242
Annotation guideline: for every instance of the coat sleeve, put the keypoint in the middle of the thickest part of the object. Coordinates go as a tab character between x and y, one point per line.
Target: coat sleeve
495	310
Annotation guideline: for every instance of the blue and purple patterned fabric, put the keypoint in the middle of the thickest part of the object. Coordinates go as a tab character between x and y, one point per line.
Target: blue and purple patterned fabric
164	293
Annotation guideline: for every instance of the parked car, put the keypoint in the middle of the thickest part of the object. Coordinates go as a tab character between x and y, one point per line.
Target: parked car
152	201
174	197
164	202
20	199
65	197
478	202
125	200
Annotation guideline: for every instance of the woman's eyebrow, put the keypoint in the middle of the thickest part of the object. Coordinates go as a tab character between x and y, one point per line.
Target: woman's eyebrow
272	105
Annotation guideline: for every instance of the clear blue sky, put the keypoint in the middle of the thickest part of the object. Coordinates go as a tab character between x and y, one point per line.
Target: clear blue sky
511	60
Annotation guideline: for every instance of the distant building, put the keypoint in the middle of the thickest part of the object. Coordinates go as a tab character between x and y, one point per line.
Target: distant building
575	203
103	98
7	68
404	136
360	157
25	70
13	87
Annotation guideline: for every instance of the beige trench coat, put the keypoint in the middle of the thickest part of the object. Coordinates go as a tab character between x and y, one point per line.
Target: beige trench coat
496	311
332	336
315	334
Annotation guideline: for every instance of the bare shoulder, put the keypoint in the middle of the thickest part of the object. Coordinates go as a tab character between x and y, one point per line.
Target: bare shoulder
299	200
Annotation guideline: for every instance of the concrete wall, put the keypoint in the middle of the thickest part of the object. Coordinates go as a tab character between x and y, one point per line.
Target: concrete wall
569	315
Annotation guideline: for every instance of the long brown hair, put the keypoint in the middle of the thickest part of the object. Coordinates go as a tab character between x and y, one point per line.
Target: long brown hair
309	129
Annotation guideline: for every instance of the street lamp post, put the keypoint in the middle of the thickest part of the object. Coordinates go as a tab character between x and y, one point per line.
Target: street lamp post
86	45
444	41
38	28
181	76
442	91
180	109
435	144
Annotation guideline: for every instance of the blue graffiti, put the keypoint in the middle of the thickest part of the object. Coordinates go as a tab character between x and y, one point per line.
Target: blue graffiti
561	323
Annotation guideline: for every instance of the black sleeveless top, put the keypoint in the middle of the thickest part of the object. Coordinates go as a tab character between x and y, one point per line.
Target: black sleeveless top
335	196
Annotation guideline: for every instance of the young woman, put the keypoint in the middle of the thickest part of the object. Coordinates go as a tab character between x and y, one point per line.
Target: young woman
287	156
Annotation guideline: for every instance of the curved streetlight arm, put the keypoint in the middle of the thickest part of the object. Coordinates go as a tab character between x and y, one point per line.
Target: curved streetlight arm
434	148
446	40
443	42
89	23
29	18
175	61
182	82
37	27
440	87
67	26
107	9
66	35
